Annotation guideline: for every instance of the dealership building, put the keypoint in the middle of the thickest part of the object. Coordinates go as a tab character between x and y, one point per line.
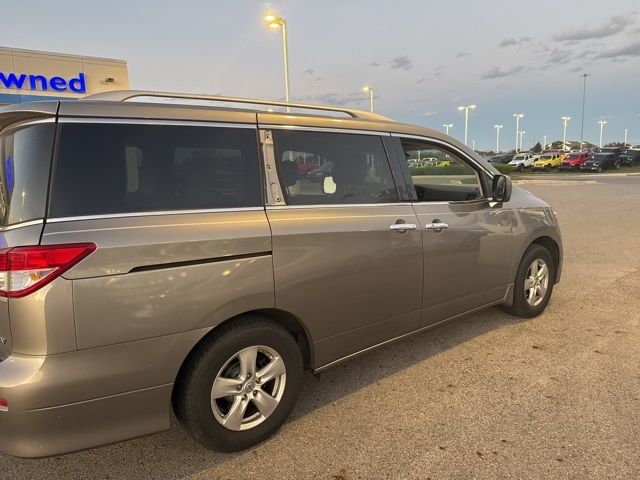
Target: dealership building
28	75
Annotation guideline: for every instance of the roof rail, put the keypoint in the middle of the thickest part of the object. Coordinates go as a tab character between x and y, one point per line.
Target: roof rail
124	95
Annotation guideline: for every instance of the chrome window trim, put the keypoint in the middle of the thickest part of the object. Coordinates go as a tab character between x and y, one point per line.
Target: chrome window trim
322	129
153	214
26	123
342	205
144	121
28	223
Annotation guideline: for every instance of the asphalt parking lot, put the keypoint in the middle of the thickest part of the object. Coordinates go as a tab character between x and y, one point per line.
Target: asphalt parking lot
487	396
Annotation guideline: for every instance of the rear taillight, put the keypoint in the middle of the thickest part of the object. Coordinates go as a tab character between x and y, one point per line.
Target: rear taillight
24	270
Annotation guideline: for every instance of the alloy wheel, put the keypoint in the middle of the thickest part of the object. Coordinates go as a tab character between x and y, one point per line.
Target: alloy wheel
248	388
536	282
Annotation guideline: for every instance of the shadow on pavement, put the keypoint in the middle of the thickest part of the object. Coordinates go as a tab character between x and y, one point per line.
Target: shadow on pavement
173	454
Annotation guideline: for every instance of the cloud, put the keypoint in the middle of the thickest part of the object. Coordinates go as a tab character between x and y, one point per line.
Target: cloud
576	69
463	54
308	71
401	62
497	72
629	50
337	99
374	64
507	42
525	39
438	74
422	80
319	79
558	55
614	25
430	114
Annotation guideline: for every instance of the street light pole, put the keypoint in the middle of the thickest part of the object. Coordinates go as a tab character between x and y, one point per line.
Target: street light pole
497	127
584	94
370	90
447	126
466	119
545	142
602	124
279	22
518	117
565	122
473	143
626	131
521	138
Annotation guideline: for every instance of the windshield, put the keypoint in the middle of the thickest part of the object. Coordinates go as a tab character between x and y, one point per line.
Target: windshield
24	173
546	157
573	156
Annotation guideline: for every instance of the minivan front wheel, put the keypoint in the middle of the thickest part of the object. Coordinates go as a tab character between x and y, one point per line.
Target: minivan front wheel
239	386
534	282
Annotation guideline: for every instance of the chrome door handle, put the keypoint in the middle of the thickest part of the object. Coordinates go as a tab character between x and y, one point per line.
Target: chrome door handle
401	227
436	226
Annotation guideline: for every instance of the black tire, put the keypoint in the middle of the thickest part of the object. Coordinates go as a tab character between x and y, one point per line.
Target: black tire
599	169
547	168
520	167
617	165
192	396
520	306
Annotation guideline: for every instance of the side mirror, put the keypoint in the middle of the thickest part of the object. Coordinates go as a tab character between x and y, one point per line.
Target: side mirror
328	185
501	188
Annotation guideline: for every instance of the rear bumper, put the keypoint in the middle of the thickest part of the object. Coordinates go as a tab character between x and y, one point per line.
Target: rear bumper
71	401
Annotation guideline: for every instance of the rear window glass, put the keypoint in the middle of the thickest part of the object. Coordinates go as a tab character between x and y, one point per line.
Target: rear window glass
24	173
120	168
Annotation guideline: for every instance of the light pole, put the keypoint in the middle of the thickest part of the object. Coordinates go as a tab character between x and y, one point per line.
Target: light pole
473	143
497	127
626	131
565	122
370	90
279	22
466	119
602	124
545	142
521	138
518	117
584	94
447	126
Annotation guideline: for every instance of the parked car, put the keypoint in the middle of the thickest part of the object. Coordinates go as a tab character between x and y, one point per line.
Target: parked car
574	161
501	158
631	157
523	160
548	161
319	173
602	161
183	263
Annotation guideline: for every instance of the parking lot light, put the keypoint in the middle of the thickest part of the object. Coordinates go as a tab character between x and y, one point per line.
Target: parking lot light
626	131
447	126
521	137
602	124
497	127
274	21
565	122
584	94
544	142
518	117
466	109
367	88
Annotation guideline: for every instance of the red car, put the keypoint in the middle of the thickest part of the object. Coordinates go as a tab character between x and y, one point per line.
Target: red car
573	161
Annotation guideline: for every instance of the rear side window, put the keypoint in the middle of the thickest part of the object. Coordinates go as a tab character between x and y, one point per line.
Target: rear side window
120	168
25	154
333	168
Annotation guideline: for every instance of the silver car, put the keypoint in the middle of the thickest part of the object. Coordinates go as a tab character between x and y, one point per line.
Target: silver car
160	256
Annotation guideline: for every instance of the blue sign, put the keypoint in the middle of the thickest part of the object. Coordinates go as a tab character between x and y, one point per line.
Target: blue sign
40	82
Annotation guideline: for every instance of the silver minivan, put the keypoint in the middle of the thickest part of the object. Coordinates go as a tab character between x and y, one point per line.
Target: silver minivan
161	256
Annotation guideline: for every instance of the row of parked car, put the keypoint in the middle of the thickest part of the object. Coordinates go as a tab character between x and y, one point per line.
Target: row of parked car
581	160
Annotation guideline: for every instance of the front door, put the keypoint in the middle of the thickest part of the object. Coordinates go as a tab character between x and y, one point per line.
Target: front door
466	238
347	252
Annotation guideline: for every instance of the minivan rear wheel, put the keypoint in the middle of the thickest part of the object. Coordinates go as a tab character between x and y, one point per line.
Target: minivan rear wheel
239	386
534	283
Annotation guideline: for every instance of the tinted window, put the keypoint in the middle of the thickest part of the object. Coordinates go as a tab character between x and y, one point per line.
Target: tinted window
115	168
333	168
439	175
24	173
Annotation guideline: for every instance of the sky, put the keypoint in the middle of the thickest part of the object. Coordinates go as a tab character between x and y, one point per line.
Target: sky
424	58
